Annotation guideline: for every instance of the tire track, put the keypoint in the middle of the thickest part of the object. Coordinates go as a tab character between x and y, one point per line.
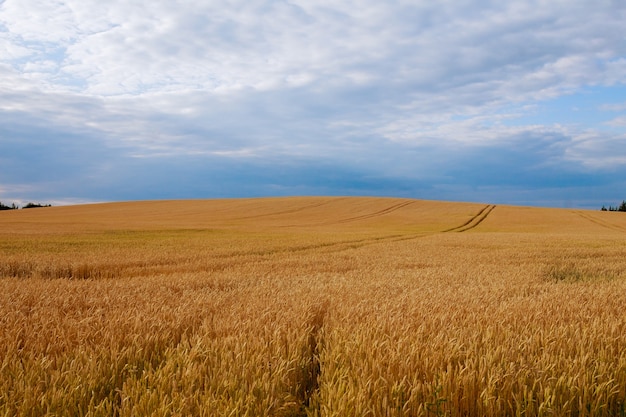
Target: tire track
602	223
225	260
338	246
474	221
358	243
387	210
290	211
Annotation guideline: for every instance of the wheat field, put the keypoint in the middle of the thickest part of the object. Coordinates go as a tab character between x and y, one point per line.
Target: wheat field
312	306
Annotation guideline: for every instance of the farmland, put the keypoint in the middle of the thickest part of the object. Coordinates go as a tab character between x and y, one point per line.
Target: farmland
312	306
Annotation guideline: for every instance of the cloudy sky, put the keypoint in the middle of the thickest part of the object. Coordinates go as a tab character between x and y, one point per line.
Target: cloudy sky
506	102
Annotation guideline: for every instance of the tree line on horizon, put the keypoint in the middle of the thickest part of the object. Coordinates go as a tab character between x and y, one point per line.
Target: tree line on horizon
16	207
621	207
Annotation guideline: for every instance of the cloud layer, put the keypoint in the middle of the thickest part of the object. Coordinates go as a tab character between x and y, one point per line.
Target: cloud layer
509	102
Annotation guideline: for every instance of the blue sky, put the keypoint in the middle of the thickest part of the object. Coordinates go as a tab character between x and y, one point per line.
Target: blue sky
519	102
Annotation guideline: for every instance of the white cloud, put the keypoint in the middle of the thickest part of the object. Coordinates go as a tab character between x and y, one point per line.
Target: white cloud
597	150
614	107
46	21
131	47
10	50
618	122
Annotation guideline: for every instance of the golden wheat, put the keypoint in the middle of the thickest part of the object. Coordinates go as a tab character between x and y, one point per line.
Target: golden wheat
312	306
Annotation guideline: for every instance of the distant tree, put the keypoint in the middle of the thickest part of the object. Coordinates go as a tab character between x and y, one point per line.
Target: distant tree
621	207
4	207
33	205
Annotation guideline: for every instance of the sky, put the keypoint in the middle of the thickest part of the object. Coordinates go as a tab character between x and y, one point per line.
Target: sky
506	102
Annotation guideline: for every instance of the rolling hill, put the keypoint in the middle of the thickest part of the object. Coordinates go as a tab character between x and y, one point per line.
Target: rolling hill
305	213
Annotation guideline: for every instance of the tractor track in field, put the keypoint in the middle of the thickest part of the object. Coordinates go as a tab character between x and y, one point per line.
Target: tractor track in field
356	243
379	213
474	221
246	257
291	211
602	223
373	215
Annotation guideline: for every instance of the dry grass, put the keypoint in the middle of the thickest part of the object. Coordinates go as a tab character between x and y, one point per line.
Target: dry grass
311	306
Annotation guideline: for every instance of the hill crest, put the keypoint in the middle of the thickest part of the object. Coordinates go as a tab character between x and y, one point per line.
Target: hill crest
310	213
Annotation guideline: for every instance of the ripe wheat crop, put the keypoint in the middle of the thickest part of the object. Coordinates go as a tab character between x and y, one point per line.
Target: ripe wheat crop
312	307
